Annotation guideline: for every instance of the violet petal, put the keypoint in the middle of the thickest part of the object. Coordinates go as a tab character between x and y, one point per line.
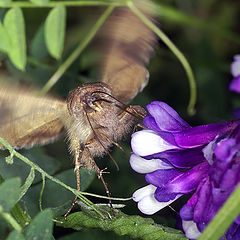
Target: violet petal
233	232
235	84
201	135
162	195
188	181
225	149
150	123
202	205
166	117
186	213
180	158
160	178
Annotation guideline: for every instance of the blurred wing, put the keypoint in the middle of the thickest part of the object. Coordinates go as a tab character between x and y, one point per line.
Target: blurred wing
26	120
130	43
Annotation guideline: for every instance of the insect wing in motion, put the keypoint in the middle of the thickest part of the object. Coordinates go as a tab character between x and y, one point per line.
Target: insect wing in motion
27	120
129	44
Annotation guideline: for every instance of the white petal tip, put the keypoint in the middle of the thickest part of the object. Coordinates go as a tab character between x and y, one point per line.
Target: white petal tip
191	230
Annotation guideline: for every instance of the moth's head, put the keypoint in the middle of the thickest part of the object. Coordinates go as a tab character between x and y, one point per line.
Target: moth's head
88	98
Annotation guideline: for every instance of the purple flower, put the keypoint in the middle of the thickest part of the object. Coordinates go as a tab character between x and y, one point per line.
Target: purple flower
235	70
179	159
223	176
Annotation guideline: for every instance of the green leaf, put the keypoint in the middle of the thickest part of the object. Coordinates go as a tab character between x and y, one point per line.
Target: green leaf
55	31
41	226
4	40
15	27
39	2
16	235
9	193
133	226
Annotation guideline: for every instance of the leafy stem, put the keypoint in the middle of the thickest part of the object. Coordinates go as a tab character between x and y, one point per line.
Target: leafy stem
61	70
45	174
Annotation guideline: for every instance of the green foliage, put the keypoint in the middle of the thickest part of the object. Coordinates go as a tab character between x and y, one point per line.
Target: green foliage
40	227
134	226
4	40
55	31
15	235
9	194
15	27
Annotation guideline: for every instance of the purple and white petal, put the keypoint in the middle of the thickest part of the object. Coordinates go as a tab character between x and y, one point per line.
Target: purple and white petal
191	230
180	158
149	205
146	142
143	192
163	195
208	152
235	66
142	165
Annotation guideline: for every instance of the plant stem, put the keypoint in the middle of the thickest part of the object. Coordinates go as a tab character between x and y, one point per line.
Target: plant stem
57	75
50	4
74	191
175	50
41	193
8	217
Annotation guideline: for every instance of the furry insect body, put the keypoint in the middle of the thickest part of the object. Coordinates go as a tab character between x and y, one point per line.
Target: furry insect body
95	121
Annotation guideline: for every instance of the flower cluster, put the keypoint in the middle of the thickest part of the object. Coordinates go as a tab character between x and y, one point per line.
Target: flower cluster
179	159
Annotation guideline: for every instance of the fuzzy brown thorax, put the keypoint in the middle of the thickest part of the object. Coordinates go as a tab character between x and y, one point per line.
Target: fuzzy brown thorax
96	120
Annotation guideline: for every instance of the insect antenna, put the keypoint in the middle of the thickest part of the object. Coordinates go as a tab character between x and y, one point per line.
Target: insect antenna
123	109
125	106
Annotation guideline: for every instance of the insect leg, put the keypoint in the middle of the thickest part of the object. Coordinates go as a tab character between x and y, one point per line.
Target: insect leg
100	176
77	156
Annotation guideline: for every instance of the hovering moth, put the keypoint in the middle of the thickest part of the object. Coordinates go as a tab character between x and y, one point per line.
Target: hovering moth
94	115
